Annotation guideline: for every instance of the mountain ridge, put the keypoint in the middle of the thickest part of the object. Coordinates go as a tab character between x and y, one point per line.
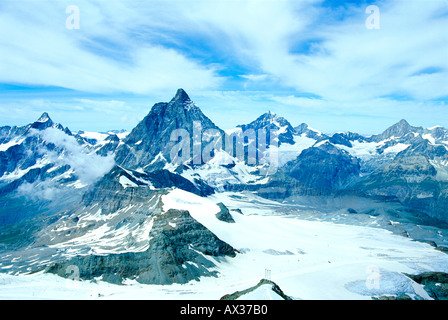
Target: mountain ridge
95	202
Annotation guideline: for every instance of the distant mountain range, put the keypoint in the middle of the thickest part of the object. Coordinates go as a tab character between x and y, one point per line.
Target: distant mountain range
57	186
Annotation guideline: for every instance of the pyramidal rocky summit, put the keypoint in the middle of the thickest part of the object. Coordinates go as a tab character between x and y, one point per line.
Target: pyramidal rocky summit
179	207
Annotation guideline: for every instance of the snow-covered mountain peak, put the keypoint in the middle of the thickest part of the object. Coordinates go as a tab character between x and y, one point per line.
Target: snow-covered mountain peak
160	130
398	130
44	122
305	130
181	96
269	118
271	122
44	118
182	101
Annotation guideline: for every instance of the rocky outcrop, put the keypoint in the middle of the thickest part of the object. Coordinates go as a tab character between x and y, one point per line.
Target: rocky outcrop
397	130
224	213
111	144
304	130
177	253
111	194
274	287
324	167
435	283
415	177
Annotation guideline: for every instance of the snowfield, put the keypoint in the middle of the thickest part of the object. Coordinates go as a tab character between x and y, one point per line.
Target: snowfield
307	259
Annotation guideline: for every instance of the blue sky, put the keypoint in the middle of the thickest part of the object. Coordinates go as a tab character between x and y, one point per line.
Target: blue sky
309	61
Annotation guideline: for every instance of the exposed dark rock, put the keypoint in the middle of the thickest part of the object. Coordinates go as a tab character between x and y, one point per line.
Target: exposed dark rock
110	145
442	249
402	296
236	295
172	256
238	210
167	179
271	123
430	242
399	129
339	138
304	130
323	167
224	214
435	283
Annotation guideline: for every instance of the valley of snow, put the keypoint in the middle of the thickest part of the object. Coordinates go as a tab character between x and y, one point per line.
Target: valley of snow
308	259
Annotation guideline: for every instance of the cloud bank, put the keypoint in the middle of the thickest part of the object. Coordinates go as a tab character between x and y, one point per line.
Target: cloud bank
85	168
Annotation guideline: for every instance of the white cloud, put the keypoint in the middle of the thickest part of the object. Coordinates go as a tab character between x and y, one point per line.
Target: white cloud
88	166
99	57
255	77
348	62
354	63
148	47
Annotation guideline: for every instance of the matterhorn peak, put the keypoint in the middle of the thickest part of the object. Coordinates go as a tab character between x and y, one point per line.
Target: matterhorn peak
181	96
182	101
403	123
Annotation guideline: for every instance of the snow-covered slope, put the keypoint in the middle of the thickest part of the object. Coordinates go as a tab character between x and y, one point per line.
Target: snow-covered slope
44	168
307	259
341	221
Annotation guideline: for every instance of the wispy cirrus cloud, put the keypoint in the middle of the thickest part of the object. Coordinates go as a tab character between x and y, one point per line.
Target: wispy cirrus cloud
101	57
340	59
